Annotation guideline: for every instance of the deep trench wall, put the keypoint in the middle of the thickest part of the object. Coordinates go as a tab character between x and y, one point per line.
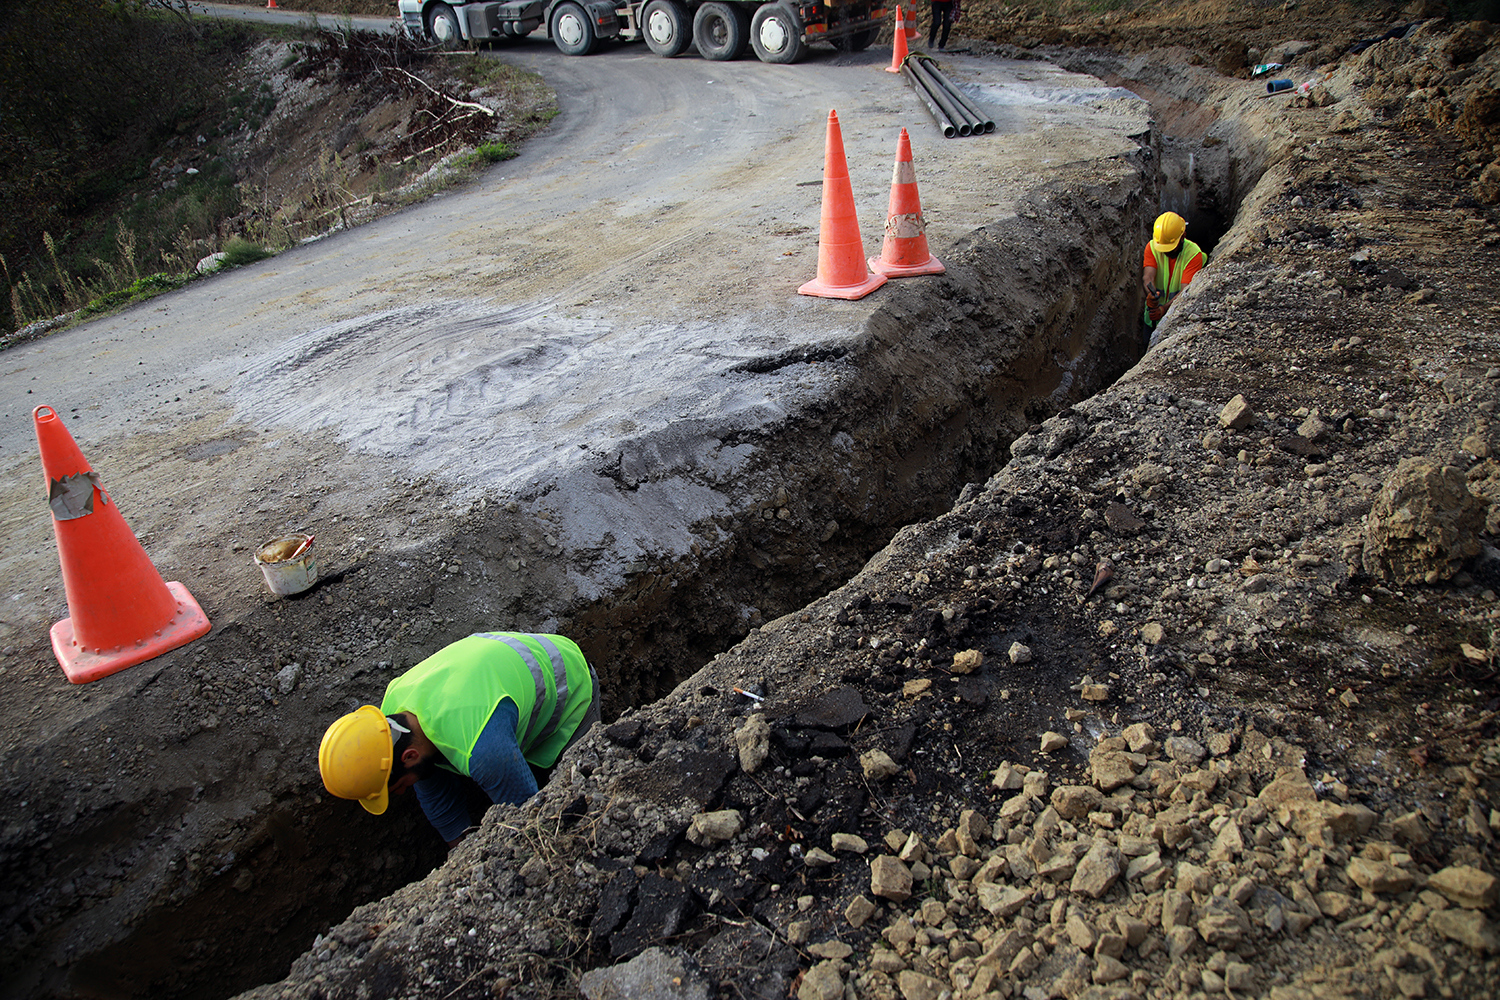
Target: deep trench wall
180	856
1214	136
1033	314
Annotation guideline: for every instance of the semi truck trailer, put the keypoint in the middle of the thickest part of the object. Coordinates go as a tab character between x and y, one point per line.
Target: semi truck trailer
779	31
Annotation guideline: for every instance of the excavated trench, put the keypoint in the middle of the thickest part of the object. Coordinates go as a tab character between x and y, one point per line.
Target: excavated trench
216	886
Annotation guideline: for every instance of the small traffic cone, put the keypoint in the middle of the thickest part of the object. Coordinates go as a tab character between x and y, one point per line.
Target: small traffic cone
905	252
120	611
842	273
272	5
899	51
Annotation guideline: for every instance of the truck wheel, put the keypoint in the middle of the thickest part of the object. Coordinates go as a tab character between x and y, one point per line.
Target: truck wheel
669	30
776	34
721	31
573	30
857	42
442	25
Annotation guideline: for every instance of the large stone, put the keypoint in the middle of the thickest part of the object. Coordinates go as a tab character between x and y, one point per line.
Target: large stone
1052	742
1410	829
1187	752
967	661
661	906
753	740
916	986
1009	778
848	842
1097	871
1176	909
859	911
1328	824
1237	414
1224	923
1288	792
1141	738
1108	969
1468	927
654	974
1111	769
1001	900
890	878
1076	801
972	828
877	765
840	708
1228	844
1468	887
823	981
711	828
1423	525
1004	948
1378	876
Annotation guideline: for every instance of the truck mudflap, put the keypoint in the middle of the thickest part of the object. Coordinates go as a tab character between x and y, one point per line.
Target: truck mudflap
833	22
606	21
494	20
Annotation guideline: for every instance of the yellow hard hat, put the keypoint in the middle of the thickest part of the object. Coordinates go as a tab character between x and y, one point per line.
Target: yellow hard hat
355	758
1168	232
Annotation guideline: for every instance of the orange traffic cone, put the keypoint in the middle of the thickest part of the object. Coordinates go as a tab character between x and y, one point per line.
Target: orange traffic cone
272	5
120	611
842	273
899	50
905	252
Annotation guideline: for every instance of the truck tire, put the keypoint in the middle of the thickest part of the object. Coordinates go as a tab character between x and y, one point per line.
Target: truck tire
857	42
442	28
668	28
721	31
573	30
776	34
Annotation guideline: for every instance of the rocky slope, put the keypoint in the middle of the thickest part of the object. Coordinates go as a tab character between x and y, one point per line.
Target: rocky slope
1196	695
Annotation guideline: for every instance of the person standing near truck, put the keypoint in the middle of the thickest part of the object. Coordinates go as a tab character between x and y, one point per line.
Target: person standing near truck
945	14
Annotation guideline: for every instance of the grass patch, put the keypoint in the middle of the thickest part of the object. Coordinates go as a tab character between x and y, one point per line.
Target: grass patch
490	152
239	251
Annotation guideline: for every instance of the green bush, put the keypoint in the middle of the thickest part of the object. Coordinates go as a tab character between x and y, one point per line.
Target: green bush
239	252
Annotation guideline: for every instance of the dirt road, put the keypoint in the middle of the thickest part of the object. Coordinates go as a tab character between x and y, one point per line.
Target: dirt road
608	283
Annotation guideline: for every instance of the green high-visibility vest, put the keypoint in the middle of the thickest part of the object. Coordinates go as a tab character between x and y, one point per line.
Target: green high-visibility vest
455	691
1169	279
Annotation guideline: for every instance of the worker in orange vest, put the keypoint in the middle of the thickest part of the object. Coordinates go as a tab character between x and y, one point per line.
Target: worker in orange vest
1168	266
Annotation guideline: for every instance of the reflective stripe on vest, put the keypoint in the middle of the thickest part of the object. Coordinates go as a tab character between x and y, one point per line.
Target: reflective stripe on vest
539	677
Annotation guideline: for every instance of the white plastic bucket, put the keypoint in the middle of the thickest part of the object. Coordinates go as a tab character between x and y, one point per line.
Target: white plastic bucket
288	564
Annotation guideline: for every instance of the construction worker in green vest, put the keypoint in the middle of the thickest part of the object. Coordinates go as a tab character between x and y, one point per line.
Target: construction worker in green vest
498	707
1168	266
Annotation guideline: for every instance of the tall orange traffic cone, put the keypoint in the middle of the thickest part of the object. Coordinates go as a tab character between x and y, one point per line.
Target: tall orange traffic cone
905	252
120	611
842	273
899	51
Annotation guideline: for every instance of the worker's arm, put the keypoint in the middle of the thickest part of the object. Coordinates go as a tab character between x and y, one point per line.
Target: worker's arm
1148	279
441	795
496	761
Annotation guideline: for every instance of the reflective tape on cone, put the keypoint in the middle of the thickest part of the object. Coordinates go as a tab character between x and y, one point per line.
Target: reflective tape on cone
905	253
